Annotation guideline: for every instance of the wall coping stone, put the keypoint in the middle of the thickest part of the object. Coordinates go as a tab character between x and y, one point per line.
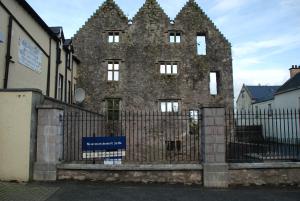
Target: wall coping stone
47	107
172	167
22	90
266	165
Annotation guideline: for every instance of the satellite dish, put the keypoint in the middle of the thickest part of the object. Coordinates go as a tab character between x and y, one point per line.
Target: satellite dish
79	95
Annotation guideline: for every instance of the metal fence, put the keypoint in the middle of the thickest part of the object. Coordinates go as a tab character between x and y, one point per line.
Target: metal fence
263	135
150	137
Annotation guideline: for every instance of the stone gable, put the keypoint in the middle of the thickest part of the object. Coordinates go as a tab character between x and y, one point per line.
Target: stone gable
144	45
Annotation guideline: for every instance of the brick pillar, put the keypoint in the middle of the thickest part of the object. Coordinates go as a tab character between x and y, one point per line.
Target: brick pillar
215	168
49	142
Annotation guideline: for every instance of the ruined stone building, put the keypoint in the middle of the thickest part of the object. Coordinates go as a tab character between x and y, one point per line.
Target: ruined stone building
152	62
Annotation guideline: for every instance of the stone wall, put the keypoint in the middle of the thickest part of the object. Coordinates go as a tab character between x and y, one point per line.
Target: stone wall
182	177
276	174
143	45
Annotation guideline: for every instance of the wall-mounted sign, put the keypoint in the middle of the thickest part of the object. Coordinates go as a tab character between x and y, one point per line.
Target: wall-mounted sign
111	149
30	55
1	37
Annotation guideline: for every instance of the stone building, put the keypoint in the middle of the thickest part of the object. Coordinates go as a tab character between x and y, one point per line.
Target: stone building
152	62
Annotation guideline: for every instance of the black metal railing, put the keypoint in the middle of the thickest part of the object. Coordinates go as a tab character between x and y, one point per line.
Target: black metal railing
151	137
263	135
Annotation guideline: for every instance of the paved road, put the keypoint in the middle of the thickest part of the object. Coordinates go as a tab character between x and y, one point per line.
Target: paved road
135	192
88	191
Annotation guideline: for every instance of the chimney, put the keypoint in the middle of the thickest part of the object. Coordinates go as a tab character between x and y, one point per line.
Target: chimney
294	70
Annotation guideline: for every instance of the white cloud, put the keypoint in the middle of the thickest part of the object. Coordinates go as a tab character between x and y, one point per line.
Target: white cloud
283	42
226	5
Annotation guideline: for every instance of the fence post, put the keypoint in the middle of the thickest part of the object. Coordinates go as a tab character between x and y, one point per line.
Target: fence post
49	142
215	168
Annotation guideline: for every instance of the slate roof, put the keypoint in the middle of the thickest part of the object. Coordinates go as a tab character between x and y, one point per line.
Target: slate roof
291	84
262	93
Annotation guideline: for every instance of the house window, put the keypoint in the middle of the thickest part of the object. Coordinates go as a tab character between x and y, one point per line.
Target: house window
174	37
113	109
214	83
60	87
113	37
69	92
194	122
169	106
201	45
169	68
270	110
113	71
68	60
173	145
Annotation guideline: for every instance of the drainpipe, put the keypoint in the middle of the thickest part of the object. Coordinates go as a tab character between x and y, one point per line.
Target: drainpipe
8	56
49	69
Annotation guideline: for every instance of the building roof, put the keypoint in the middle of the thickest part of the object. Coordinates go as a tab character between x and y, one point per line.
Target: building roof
262	93
292	84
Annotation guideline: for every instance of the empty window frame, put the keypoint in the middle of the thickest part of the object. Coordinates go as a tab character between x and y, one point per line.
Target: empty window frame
113	37
113	71
169	68
174	37
169	106
60	87
214	83
194	122
201	45
113	108
174	146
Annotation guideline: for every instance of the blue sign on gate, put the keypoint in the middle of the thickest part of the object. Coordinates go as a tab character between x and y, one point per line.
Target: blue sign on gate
103	143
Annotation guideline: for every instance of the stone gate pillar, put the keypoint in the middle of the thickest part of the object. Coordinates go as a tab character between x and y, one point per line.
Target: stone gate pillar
49	142
215	168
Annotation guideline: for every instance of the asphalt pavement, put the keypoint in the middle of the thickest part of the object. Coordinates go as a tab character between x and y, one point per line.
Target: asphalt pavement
93	191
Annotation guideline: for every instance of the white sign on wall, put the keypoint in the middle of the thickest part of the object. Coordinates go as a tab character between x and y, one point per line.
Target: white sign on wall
30	55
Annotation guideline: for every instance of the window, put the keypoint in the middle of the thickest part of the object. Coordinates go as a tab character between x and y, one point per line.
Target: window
113	108
214	83
113	71
174	37
201	45
194	122
1	37
113	37
270	110
256	111
68	60
168	68
69	92
60	87
169	106
173	145
58	56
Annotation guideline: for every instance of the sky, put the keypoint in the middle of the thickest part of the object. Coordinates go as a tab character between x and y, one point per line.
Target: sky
265	34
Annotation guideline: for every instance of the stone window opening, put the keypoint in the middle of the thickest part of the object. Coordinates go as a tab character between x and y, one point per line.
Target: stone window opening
169	106
113	71
112	108
194	122
169	68
173	146
201	44
174	37
214	83
113	37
